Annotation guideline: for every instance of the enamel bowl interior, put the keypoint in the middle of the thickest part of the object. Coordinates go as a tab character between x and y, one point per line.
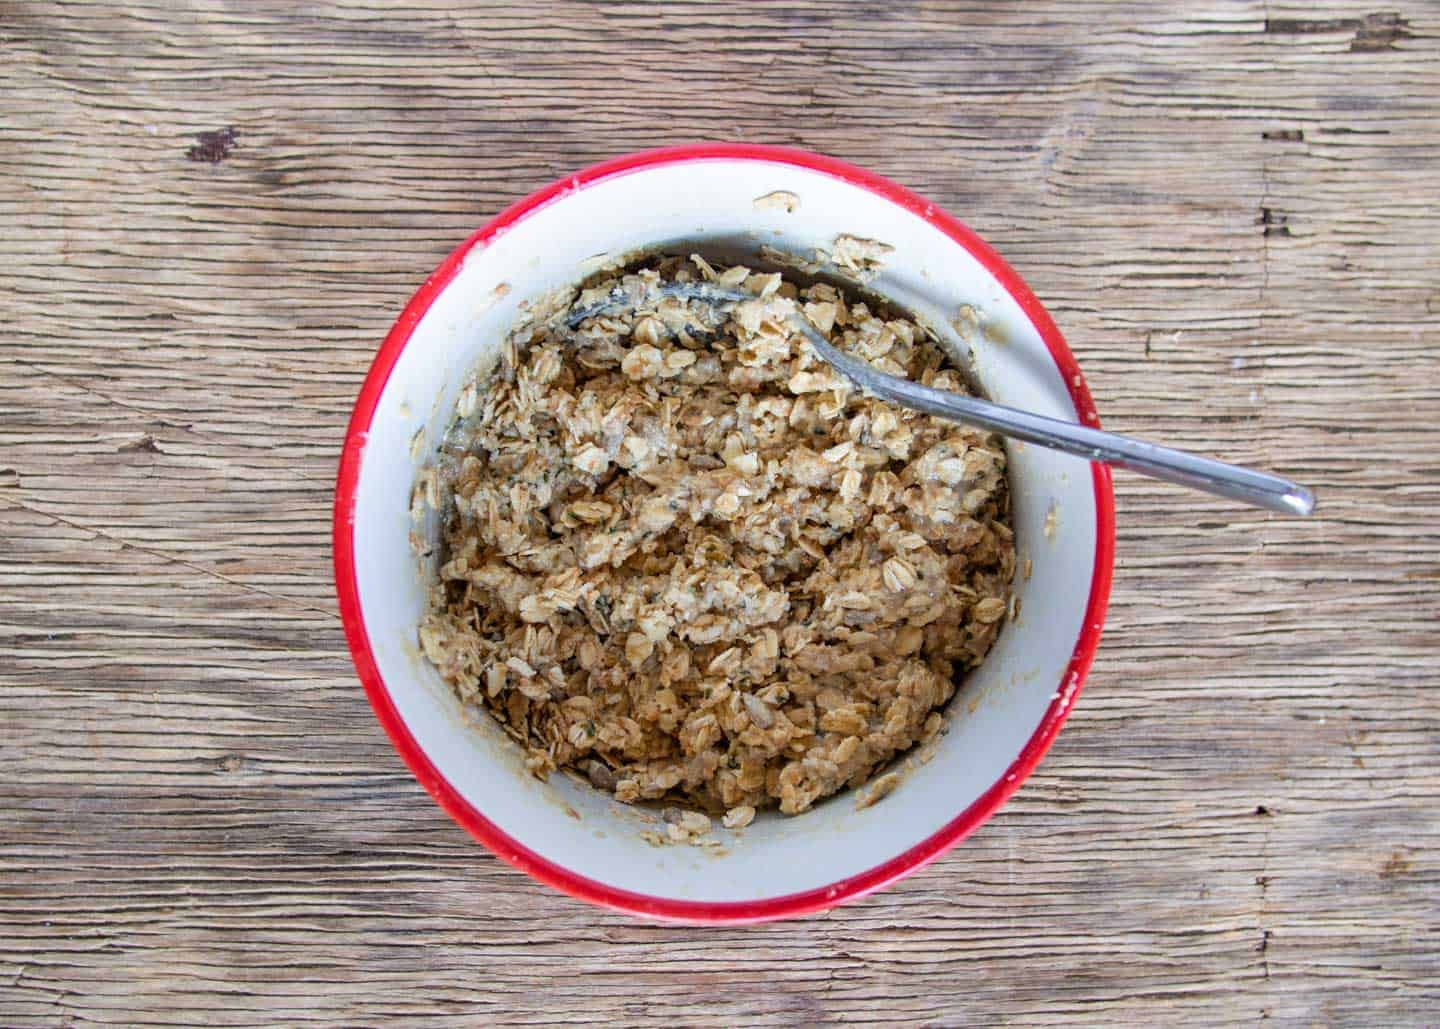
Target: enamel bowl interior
578	838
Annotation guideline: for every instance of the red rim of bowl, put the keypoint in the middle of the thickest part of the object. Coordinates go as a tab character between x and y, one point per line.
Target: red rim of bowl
542	868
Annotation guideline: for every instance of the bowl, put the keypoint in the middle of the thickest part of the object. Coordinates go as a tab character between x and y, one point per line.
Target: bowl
727	200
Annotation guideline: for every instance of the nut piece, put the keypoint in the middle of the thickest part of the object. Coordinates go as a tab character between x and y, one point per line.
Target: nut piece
991	609
638	648
899	575
758	712
738	817
643	362
592	460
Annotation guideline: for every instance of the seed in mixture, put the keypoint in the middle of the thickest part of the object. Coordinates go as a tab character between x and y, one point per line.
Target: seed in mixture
684	558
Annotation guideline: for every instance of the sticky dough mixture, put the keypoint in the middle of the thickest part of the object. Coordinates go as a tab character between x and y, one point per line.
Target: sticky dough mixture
687	560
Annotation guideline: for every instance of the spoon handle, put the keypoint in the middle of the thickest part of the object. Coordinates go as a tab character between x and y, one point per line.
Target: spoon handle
1177	466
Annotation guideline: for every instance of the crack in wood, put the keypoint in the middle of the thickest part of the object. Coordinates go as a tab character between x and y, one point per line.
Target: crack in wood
168	558
154	418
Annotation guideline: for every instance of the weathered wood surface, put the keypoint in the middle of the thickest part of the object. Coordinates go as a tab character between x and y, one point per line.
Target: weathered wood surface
1231	209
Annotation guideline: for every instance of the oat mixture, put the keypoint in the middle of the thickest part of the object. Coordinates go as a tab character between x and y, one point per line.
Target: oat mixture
683	557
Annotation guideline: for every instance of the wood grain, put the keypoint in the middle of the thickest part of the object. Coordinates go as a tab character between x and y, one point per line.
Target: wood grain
213	211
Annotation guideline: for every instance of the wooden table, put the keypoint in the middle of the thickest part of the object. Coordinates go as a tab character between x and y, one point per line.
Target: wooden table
211	216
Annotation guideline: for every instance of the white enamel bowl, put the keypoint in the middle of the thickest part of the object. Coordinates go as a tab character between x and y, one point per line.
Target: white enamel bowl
576	838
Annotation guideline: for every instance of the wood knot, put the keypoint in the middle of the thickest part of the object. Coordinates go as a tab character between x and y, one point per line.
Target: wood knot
1396	865
213	147
230	763
1380	31
1273	222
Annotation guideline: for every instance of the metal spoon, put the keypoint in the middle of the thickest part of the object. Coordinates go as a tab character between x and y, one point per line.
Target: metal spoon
1177	466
